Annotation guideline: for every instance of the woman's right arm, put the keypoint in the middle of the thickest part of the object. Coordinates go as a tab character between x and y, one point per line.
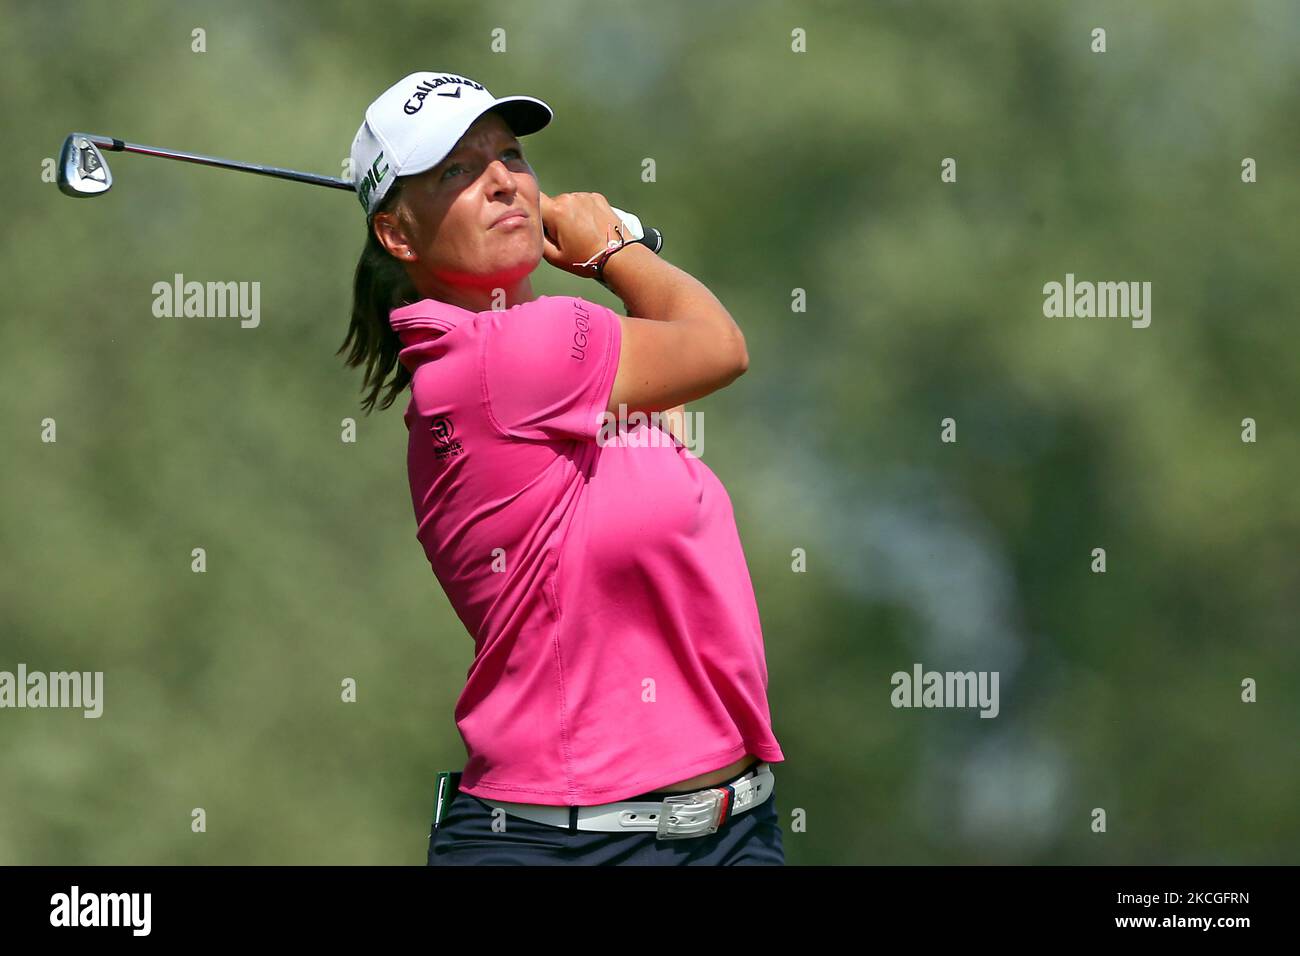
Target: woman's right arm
679	342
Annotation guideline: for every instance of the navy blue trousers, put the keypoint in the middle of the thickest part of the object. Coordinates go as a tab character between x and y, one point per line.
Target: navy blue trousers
465	838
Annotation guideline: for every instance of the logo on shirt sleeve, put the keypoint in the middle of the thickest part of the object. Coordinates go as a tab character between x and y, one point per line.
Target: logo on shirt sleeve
444	445
581	326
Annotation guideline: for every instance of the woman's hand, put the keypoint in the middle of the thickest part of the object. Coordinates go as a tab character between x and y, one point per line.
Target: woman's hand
576	226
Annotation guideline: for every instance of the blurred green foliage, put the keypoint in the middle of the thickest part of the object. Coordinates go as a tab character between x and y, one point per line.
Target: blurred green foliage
775	171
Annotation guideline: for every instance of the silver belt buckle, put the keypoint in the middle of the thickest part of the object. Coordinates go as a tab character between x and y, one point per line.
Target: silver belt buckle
685	815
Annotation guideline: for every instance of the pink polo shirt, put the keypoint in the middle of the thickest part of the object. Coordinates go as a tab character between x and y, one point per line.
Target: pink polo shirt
617	645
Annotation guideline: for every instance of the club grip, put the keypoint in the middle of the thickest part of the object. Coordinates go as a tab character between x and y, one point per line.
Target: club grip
653	239
648	236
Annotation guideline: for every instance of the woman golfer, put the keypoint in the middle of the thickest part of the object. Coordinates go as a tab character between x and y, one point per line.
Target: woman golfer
616	709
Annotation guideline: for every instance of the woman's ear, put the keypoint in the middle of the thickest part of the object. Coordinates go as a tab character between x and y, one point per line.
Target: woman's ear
392	235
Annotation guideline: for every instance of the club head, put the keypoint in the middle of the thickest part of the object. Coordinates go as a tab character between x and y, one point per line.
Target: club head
82	170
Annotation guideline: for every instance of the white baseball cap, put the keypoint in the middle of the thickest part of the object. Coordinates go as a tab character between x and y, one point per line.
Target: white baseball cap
417	121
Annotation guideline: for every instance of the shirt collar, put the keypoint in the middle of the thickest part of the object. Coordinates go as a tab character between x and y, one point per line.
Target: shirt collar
421	325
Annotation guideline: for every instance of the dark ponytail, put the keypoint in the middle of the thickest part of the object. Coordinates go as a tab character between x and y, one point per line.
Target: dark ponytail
380	285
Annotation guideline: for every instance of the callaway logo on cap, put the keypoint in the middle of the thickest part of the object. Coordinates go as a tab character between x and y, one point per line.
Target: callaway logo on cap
415	123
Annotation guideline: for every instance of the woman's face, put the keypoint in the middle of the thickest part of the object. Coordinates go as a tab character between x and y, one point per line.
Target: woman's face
445	228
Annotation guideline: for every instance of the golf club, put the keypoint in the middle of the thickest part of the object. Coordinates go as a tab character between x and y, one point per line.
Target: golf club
83	173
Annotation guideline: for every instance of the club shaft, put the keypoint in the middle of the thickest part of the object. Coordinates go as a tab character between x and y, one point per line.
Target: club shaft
651	238
118	146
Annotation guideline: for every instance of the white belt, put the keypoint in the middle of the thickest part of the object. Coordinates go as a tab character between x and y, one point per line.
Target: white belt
677	816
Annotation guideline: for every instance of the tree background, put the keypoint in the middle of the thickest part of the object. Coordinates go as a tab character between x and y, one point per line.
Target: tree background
776	171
